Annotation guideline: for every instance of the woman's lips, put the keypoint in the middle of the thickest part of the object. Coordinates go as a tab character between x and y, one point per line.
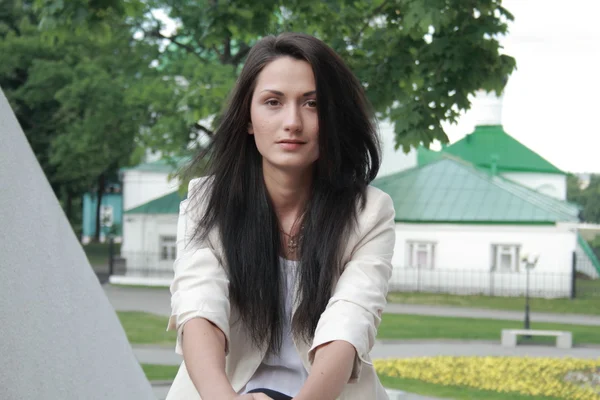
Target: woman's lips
290	144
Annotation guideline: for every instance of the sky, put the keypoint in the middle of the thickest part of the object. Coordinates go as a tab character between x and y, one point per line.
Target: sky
551	103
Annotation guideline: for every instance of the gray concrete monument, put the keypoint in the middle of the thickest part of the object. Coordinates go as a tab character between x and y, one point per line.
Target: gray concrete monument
59	337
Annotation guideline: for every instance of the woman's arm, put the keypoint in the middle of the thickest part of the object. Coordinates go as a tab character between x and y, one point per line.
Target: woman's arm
330	371
200	307
354	311
204	355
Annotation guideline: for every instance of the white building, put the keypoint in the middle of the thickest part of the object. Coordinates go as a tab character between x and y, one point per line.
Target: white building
461	229
151	202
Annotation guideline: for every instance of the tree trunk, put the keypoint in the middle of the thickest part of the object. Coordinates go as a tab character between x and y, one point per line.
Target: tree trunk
69	207
99	194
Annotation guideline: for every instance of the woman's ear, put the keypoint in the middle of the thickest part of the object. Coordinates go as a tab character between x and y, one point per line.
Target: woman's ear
250	128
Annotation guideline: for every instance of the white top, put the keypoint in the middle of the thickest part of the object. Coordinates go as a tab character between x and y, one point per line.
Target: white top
284	372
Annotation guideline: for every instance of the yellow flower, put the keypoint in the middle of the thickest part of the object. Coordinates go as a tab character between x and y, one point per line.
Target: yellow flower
558	377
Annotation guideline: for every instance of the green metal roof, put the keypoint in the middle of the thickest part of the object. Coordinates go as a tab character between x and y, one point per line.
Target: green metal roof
489	144
168	204
451	190
162	165
426	156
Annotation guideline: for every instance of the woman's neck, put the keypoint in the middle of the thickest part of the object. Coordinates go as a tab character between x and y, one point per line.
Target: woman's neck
289	193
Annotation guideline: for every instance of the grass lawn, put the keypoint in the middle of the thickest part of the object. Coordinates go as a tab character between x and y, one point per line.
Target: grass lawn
158	287
397	326
168	372
453	392
97	253
160	372
588	304
144	328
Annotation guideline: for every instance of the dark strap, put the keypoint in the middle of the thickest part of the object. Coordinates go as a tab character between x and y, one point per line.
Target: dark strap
272	394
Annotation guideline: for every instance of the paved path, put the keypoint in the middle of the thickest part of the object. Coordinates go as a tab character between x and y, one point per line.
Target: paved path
151	300
165	355
158	301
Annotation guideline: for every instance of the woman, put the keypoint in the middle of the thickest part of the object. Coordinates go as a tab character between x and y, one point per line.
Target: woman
284	252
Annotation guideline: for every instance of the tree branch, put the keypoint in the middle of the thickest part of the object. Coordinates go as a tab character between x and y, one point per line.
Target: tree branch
173	39
204	129
244	49
184	46
227	50
373	14
218	53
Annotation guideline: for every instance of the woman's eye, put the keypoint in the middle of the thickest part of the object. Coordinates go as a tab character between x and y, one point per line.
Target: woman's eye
311	103
272	102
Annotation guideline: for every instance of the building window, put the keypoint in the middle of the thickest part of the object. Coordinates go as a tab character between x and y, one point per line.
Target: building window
505	257
168	248
421	254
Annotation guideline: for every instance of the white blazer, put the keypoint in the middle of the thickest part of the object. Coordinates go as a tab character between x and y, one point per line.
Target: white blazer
200	289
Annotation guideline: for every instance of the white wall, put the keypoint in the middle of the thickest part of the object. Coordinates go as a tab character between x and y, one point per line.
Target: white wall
140	187
142	240
60	337
463	258
393	160
554	185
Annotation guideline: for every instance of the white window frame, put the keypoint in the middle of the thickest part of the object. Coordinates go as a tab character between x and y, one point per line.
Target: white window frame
413	247
167	247
503	249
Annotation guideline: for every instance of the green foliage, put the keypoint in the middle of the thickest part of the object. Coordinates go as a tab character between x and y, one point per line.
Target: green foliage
588	198
96	83
418	60
76	96
595	245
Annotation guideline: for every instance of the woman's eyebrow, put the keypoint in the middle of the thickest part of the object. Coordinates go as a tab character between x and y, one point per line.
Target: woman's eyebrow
278	93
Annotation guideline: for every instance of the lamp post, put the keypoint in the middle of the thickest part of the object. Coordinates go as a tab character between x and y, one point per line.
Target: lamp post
530	262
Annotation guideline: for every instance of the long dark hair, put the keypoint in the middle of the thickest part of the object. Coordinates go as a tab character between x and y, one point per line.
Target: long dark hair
238	205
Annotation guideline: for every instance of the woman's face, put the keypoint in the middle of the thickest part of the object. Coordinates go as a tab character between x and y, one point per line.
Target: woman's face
283	115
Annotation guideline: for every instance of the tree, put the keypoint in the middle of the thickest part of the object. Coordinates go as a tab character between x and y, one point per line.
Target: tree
418	60
587	198
590	199
76	97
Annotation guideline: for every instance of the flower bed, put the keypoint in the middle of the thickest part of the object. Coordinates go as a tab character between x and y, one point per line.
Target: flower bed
566	378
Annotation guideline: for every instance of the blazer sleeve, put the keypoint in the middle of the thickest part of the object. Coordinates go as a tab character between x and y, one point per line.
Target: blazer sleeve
354	311
200	287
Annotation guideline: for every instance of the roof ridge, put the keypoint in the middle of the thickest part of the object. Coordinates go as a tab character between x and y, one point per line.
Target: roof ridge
520	186
479	144
140	208
510	186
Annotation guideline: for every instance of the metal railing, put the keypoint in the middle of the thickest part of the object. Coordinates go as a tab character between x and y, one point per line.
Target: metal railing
570	284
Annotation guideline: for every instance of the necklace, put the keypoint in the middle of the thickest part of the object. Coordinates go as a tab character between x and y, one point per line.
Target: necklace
293	241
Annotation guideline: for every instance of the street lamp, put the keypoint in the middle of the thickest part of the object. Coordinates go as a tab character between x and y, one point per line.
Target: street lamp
530	261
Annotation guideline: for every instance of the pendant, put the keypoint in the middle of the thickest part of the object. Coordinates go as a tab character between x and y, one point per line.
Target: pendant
293	243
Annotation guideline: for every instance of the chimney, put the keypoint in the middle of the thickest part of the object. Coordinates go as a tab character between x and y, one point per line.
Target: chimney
487	108
494	164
